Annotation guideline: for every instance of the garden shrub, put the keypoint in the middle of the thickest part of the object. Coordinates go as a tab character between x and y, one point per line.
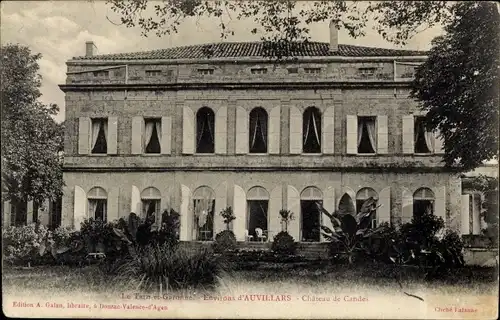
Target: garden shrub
176	269
21	244
284	243
225	241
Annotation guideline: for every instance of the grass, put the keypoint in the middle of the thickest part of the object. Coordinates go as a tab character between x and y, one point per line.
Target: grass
317	279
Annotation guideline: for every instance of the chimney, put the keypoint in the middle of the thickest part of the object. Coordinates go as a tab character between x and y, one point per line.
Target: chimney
334	37
89	48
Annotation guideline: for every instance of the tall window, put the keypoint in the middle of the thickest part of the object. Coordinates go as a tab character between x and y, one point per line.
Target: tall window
310	214
204	206
258	131
364	195
346	205
311	128
205	128
99	135
152	132
423	202
422	137
366	135
257	218
151	201
97	203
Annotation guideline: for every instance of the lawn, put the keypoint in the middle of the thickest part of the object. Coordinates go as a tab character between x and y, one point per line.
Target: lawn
302	284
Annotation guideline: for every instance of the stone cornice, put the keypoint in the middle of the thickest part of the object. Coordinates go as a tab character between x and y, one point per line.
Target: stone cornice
237	86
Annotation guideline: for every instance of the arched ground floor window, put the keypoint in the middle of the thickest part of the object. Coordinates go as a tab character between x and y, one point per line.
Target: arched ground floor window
97	204
257	214
310	220
423	202
204	206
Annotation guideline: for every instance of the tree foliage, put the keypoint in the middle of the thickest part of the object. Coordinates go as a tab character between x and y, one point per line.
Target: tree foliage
283	23
32	141
458	85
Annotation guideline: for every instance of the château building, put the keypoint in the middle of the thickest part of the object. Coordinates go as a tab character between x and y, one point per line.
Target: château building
203	127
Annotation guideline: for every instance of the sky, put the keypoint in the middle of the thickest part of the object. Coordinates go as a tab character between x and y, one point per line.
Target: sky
59	29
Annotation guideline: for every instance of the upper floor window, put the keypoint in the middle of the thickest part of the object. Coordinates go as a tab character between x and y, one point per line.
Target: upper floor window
423	138
152	132
153	73
312	70
368	72
206	71
311	129
259	71
366	135
205	129
258	131
99	135
101	74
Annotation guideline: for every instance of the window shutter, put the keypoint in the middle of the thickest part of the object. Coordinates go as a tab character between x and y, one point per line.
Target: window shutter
293	204
135	201
185	231
112	135
29	211
295	130
187	130
352	134
137	124
329	205
240	211
221	131
241	131
275	205
274	130
220	204
384	211
112	205
438	144
7	213
382	135
408	134
166	135
84	135
328	135
465	214
407	206
80	207
440	205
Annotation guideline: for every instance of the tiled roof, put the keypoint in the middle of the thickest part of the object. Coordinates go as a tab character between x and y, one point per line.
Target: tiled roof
251	49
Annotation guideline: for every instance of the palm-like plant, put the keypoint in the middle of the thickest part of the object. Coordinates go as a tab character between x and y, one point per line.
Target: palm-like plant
286	216
350	231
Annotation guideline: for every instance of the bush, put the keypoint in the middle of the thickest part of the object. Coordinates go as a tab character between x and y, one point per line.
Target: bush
176	269
284	243
21	244
224	241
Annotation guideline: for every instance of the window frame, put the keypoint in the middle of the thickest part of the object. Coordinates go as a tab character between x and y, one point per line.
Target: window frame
153	73
431	151
320	133
206	71
266	134
143	144
197	114
104	120
375	147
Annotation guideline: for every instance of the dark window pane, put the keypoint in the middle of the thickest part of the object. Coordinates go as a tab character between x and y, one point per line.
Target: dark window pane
257	217
420	207
365	145
258	131
153	145
205	129
100	210
310	220
420	131
100	145
311	129
206	231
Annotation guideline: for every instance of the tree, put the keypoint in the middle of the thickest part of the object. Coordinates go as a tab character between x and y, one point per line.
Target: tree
283	24
458	85
32	142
